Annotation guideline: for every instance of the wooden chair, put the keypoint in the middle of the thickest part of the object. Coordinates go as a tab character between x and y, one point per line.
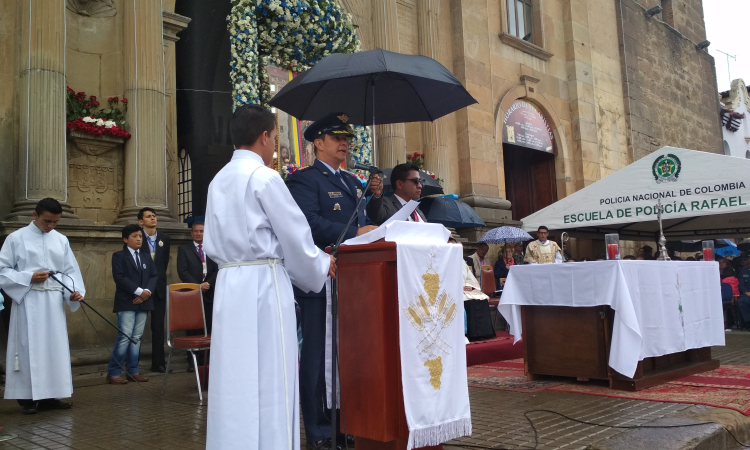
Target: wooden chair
185	312
489	288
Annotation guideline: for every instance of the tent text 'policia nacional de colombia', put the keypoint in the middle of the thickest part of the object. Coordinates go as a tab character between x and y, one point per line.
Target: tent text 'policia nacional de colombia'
704	195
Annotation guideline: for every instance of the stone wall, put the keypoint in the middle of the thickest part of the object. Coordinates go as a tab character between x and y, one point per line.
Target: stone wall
93	247
8	119
670	85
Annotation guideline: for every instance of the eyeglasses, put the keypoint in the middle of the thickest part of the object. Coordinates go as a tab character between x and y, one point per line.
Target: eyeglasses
416	181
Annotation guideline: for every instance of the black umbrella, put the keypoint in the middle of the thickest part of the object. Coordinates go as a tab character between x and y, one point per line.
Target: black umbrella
429	185
449	212
406	88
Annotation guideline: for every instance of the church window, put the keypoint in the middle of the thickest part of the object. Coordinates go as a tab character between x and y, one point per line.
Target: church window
185	186
520	18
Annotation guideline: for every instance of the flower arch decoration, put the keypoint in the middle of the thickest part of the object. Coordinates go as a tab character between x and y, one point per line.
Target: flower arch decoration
293	35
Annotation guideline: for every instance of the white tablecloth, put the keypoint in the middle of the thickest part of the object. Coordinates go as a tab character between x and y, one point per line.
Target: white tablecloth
661	307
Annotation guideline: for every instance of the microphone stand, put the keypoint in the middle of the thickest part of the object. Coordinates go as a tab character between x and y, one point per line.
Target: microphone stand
335	310
52	275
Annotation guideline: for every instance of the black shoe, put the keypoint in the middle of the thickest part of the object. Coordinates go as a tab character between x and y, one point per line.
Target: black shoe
54	403
323	444
29	408
345	441
160	369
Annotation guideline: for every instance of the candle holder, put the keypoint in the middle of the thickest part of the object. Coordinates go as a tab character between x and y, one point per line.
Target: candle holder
708	250
612	244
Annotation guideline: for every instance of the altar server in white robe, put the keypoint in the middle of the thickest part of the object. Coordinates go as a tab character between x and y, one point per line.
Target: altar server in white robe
38	357
259	237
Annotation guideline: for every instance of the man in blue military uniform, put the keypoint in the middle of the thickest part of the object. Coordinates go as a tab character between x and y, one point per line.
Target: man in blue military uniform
328	197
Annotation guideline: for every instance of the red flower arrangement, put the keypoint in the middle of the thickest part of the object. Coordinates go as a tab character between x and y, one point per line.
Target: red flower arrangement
97	130
82	115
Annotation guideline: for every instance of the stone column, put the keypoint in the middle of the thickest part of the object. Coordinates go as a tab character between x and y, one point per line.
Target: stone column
391	138
42	154
145	152
173	24
434	134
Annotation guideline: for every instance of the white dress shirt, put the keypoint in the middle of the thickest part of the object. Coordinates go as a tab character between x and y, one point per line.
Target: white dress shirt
404	202
138	291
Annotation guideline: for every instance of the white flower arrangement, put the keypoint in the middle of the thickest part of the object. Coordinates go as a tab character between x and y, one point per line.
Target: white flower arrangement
294	35
99	122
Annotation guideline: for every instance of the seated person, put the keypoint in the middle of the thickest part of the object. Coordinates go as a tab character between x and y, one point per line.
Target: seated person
476	307
503	264
729	289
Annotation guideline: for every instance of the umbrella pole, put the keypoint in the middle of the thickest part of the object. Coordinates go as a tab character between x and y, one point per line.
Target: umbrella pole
374	140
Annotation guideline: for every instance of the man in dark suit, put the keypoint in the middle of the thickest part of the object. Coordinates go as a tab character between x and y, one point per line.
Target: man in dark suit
328	197
135	281
193	266
406	186
156	246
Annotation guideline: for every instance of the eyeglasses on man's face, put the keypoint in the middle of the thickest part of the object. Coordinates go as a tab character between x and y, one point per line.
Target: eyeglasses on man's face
416	181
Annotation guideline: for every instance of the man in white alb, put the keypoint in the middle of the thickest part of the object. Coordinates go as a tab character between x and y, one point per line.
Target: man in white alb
543	251
261	240
38	358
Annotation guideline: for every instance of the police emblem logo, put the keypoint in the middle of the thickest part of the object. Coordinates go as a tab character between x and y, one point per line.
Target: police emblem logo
344	118
666	168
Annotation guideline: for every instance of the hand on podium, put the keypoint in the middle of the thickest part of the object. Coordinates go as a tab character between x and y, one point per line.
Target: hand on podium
332	267
365	229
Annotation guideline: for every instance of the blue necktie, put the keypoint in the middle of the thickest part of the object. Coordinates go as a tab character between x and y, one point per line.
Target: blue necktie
341	177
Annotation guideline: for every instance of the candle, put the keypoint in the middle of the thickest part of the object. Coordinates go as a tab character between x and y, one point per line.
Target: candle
612	251
708	254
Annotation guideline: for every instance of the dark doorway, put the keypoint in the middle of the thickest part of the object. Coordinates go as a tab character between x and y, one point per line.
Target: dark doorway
529	179
204	92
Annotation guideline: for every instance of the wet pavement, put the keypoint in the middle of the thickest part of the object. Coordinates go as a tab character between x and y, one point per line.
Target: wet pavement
136	416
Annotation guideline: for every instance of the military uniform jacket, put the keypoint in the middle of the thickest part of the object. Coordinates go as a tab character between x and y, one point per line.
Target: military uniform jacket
327	204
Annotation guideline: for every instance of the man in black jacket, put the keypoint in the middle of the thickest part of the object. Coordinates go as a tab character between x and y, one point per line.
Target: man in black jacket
156	246
406	186
193	266
135	281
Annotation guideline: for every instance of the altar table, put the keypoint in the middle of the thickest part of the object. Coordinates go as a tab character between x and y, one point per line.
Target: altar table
634	323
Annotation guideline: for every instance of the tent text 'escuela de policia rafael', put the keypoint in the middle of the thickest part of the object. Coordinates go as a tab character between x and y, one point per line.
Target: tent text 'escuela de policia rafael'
703	194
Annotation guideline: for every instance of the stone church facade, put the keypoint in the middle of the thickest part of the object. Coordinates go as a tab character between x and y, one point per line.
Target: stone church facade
606	82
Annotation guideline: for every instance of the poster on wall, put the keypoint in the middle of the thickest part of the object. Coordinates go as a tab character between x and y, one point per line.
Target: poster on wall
292	147
525	125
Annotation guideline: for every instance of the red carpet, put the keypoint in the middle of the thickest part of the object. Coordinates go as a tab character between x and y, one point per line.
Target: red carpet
499	348
726	387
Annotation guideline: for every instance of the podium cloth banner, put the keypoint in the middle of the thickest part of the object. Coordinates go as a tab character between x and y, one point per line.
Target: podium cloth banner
431	335
661	307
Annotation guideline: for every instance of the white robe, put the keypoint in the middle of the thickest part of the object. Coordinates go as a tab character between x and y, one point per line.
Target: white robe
38	330
253	389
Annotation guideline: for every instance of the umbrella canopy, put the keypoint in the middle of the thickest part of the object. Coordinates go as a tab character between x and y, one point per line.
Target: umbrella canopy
405	88
501	235
693	245
429	185
449	212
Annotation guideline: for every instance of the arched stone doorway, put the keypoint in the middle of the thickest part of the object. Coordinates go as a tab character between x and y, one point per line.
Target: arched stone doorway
529	150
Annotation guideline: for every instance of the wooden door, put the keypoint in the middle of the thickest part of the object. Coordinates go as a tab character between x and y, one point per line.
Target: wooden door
529	179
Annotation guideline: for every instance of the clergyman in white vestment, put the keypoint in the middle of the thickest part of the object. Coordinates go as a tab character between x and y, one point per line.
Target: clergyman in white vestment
38	335
543	251
259	237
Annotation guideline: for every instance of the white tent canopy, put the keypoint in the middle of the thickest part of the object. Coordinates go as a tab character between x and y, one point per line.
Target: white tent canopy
704	195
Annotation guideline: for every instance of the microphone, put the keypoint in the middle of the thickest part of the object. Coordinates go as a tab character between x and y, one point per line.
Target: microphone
355	165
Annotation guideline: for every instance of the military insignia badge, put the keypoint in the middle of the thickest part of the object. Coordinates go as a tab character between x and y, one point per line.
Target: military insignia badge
337	207
359	193
344	118
161	244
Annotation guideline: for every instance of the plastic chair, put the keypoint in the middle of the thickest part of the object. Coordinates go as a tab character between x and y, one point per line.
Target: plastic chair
185	312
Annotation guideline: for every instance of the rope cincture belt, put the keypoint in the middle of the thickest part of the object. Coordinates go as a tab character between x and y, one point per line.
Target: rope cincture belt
273	263
46	288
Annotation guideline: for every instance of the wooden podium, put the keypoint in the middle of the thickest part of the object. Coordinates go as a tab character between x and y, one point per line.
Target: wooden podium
372	402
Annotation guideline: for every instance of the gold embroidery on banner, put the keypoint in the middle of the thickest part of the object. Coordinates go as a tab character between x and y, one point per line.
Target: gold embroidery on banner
431	316
435	366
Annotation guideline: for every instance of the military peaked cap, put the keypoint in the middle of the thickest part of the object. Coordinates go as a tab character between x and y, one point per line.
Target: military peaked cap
334	123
